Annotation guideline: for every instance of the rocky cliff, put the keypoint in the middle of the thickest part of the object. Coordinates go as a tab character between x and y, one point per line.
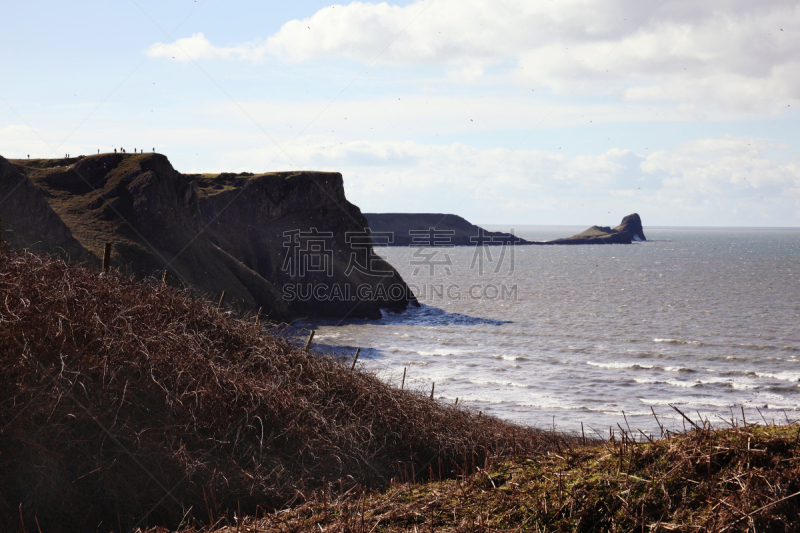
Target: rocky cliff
28	220
288	242
432	229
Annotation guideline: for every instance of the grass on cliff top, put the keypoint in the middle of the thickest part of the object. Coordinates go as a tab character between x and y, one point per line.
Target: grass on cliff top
738	479
128	404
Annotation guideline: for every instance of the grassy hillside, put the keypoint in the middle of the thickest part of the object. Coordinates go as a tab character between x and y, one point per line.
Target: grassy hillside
126	404
738	479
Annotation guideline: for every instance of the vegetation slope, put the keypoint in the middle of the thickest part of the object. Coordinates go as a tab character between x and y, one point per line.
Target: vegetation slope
740	479
128	404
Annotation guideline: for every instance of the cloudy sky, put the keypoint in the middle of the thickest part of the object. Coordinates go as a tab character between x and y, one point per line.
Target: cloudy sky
505	111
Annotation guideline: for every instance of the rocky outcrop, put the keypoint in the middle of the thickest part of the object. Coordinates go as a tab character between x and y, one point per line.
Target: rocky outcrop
633	225
629	230
432	229
290	243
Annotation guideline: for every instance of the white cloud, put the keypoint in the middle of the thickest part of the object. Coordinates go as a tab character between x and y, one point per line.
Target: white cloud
199	47
695	183
19	140
725	166
736	54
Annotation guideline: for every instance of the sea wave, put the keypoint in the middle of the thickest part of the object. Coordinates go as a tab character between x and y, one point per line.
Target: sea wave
502	383
690	401
679	369
678	341
617	364
733	384
509	357
441	352
769	347
781	376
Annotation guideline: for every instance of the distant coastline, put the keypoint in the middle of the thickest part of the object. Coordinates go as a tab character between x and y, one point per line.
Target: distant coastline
441	229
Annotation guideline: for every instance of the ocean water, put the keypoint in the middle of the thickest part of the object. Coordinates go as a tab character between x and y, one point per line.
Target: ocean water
707	320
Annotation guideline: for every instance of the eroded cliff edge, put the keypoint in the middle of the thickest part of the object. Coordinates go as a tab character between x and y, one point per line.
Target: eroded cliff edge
288	242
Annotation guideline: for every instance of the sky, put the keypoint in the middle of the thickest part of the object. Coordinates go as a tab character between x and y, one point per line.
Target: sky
508	112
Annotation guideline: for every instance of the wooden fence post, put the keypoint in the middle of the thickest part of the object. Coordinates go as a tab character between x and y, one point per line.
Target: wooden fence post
353	366
221	300
432	386
308	342
107	257
164	277
402	383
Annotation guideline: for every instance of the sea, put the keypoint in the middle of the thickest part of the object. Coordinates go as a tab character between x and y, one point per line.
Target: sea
593	338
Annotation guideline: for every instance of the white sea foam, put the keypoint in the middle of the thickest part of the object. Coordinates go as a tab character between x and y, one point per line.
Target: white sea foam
441	352
620	413
781	376
509	357
678	369
679	383
617	364
676	341
690	401
737	385
501	383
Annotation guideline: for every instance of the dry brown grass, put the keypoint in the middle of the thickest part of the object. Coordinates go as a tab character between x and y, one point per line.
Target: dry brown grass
739	479
128	404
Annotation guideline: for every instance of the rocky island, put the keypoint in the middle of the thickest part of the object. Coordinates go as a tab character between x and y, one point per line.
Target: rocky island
629	230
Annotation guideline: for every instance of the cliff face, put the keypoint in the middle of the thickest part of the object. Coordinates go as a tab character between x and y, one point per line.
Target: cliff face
298	230
633	225
269	241
414	229
29	221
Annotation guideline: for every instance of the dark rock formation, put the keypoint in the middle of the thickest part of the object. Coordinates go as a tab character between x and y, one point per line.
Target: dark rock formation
633	225
277	216
630	229
433	229
288	242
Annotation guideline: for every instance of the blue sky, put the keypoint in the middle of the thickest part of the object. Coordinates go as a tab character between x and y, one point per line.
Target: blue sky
505	112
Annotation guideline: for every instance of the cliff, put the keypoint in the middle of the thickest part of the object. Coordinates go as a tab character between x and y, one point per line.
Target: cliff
433	229
29	221
288	242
